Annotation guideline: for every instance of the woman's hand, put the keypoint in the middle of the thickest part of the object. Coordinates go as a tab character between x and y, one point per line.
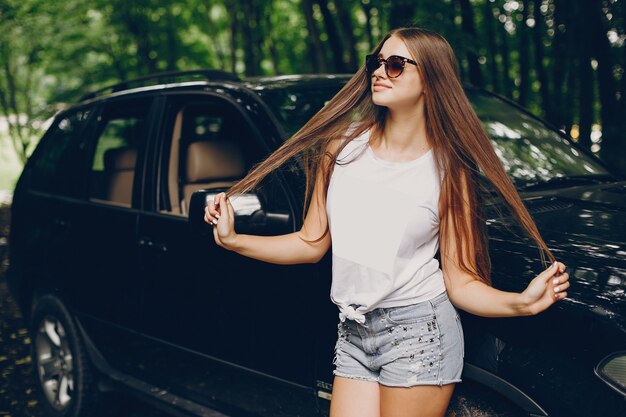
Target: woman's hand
221	215
547	288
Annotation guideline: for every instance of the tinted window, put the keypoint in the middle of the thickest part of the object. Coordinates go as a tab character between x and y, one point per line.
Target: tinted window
57	163
120	134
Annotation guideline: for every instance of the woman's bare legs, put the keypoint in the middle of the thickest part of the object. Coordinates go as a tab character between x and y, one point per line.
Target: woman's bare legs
357	398
417	401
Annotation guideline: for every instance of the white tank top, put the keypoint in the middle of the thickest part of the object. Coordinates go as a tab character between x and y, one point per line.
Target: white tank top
384	224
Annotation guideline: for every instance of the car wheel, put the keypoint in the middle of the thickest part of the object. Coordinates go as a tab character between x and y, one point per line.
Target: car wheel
63	374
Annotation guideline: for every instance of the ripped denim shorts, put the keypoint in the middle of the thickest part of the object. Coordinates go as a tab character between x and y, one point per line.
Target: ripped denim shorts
417	344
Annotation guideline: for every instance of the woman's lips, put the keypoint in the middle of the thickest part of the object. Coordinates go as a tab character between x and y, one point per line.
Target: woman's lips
380	87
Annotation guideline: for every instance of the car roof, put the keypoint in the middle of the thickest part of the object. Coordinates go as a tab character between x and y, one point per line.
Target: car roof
298	80
209	78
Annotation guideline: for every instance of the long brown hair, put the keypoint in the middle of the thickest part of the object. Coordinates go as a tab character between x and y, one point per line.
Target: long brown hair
460	147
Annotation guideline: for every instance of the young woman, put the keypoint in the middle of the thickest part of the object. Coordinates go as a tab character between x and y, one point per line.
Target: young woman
394	159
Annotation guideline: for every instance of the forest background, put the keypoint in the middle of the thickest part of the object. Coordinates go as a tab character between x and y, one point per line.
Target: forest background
562	59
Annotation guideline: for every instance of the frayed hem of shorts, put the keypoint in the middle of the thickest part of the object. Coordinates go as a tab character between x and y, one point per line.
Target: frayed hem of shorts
413	384
360	378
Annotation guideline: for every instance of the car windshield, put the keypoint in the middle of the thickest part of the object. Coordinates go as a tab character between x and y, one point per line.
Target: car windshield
532	154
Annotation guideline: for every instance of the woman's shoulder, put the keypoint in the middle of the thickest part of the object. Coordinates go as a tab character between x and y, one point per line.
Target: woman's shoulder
336	144
362	137
352	127
354	148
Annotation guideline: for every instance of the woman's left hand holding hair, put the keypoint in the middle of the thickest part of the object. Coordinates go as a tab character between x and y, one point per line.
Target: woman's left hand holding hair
546	288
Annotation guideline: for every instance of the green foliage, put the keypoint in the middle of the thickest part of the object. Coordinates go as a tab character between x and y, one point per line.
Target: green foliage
51	53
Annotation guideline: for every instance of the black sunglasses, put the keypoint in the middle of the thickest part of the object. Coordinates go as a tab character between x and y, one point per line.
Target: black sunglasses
394	65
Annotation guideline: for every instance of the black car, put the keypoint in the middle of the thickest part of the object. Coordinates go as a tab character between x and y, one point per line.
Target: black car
125	288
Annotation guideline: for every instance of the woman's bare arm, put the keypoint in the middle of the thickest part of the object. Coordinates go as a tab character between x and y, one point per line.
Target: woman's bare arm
289	248
474	296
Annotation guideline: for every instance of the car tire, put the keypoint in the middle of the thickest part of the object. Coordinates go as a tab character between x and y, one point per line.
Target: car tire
63	375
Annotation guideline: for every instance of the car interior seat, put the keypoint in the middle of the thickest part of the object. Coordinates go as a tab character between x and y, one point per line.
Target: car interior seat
214	164
119	164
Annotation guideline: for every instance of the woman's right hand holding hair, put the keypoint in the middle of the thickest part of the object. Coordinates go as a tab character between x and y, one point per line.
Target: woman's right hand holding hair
221	215
307	245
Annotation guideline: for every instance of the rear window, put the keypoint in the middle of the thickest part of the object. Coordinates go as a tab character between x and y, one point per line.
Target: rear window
119	137
59	158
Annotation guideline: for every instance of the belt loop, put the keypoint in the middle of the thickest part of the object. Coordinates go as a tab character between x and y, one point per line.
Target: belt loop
431	302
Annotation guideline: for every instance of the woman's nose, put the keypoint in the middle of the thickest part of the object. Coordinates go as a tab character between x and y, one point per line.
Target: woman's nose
380	71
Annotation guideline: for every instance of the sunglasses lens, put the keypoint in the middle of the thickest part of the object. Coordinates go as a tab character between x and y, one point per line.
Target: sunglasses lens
394	67
371	63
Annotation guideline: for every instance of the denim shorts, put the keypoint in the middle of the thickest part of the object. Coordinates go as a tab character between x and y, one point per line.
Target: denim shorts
416	344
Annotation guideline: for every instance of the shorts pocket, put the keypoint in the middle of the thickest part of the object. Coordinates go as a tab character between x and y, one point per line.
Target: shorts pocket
413	313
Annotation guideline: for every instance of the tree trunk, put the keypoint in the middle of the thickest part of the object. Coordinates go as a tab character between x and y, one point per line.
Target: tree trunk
251	41
612	143
234	35
559	56
565	65
571	92
315	47
268	30
506	63
345	23
491	47
402	13
367	10
333	37
542	75
524	56
585	76
467	15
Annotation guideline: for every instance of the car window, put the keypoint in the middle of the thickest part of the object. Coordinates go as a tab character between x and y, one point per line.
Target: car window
119	136
57	160
209	145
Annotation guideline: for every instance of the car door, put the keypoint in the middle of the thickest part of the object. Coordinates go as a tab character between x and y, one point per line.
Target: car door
106	287
220	325
44	220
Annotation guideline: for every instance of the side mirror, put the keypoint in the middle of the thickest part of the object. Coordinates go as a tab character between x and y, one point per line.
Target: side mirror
249	213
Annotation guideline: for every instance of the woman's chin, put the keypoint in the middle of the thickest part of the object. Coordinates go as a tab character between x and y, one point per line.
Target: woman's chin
379	102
